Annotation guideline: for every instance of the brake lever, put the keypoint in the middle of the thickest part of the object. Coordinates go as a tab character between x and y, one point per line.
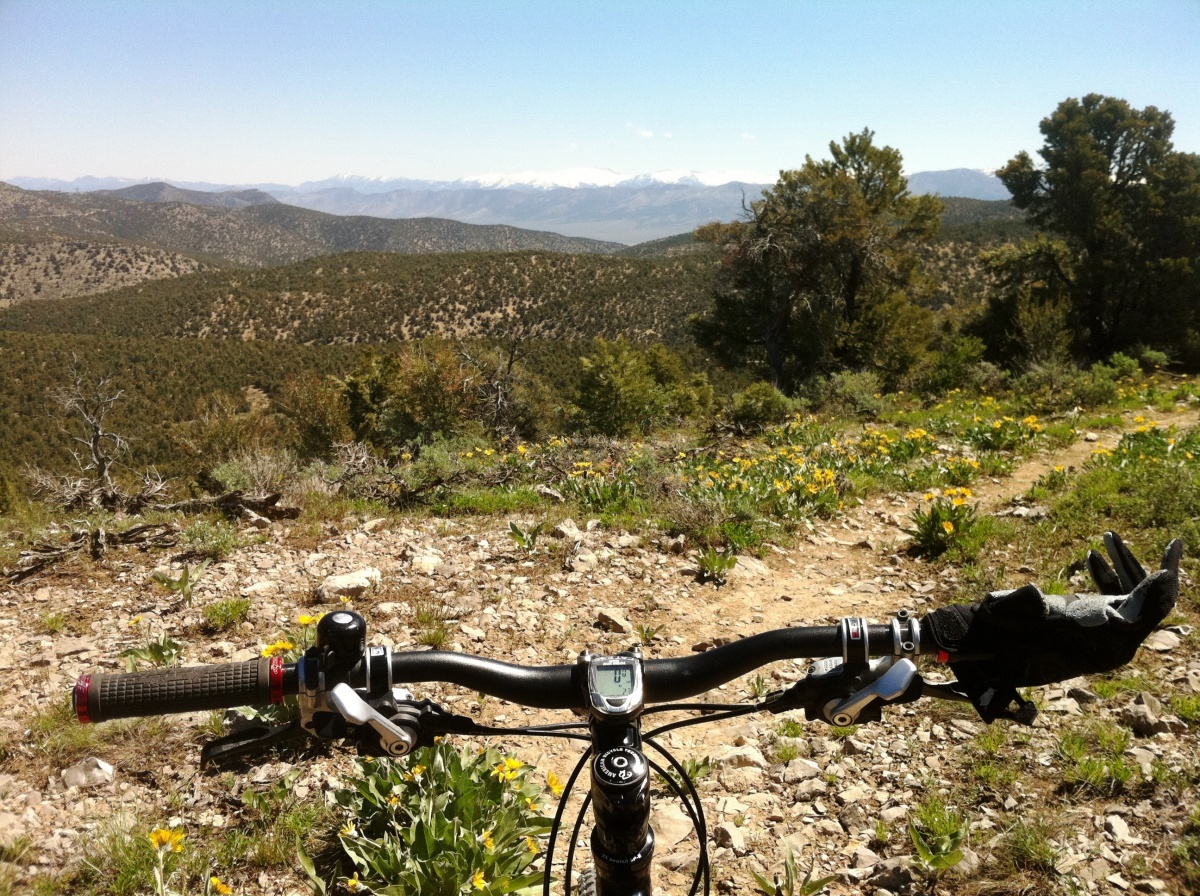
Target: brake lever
886	689
394	740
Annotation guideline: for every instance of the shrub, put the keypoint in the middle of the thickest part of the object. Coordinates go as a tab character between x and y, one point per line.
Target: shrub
759	406
255	472
618	394
226	614
227	424
855	393
214	539
955	365
317	414
945	523
439	824
400	402
8	491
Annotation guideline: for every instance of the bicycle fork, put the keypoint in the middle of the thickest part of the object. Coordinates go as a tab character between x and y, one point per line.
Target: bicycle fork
622	839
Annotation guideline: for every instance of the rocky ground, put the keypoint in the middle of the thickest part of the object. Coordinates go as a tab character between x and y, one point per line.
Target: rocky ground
840	802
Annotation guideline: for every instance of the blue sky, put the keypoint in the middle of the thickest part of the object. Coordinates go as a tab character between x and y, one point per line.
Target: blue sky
243	92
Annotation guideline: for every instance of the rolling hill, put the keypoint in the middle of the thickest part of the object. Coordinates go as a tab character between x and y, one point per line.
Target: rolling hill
259	234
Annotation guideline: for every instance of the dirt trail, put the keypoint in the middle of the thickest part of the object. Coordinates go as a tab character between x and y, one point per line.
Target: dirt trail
853	567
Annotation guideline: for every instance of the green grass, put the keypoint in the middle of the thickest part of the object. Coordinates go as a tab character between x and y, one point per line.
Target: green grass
1187	707
430	621
1027	847
491	501
55	733
226	614
1093	759
1123	682
213	538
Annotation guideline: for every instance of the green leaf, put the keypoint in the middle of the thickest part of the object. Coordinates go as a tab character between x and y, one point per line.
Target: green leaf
306	863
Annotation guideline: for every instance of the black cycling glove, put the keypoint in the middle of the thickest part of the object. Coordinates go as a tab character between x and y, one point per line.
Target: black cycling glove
1022	638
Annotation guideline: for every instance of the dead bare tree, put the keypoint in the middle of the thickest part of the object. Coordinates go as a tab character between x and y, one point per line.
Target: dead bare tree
84	407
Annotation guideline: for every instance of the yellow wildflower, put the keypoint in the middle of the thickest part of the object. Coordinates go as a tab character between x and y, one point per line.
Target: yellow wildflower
278	647
347	830
136	619
352	883
507	770
216	885
309	619
531	844
477	881
554	783
167	839
486	839
948	526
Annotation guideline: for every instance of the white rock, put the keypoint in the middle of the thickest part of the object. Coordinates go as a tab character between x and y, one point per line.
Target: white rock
671	824
568	530
12	828
893	813
90	772
800	770
475	634
427	564
611	620
1162	641
742	757
582	561
351	584
810	789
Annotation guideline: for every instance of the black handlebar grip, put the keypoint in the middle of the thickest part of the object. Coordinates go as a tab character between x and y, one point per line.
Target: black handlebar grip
99	697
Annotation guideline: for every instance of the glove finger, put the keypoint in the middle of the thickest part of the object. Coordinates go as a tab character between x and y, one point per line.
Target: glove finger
1102	574
1128	569
1172	555
1151	601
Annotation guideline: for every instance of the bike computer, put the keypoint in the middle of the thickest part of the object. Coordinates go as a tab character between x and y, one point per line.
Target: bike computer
614	685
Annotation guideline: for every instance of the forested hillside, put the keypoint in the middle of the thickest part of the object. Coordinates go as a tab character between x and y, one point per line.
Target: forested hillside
164	383
55	268
378	297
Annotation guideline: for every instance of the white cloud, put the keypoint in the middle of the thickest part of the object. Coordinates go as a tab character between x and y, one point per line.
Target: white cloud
645	134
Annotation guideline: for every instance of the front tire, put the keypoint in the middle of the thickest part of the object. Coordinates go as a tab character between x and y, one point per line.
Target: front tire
587	882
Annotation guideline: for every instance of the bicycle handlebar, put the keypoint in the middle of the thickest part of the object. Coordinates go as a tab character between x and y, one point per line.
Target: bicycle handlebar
99	697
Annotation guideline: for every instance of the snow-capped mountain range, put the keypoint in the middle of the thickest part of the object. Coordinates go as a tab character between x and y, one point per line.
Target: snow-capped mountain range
592	202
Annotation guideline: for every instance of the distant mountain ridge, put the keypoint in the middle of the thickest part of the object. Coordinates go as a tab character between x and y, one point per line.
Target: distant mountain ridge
592	203
256	234
161	191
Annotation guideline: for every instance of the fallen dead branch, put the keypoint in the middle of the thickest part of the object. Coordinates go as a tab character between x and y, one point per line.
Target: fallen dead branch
95	542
